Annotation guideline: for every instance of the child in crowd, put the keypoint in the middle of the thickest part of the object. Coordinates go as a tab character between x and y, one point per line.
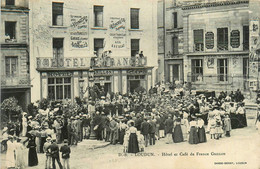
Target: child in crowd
218	128
227	125
211	126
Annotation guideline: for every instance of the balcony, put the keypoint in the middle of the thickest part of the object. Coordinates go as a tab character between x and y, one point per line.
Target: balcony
87	62
222	46
15	81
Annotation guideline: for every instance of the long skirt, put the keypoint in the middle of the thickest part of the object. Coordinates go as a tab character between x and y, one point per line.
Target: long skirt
202	135
234	120
242	120
133	144
205	118
32	157
177	134
193	139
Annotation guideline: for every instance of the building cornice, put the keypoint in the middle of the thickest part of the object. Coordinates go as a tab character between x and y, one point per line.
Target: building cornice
215	4
15	9
87	68
218	53
14	45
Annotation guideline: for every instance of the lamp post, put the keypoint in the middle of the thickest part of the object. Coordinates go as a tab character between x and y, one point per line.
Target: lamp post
92	125
81	85
102	84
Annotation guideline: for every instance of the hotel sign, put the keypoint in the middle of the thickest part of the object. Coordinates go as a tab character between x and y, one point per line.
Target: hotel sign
86	62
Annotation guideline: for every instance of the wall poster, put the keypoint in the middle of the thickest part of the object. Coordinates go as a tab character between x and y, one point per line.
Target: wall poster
117	34
79	31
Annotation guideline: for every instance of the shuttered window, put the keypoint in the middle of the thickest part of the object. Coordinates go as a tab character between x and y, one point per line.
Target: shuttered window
222	38
134	18
57	14
134	47
198	40
98	14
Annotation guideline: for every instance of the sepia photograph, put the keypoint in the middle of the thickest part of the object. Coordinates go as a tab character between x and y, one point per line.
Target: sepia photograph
130	84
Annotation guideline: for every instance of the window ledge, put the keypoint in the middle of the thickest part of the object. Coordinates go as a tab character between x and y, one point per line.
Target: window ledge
135	29
54	26
98	28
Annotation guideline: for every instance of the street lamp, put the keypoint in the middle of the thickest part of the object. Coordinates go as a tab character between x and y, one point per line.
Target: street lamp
102	81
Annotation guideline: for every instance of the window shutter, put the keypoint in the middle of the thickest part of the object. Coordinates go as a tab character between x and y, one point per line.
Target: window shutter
135	18
198	36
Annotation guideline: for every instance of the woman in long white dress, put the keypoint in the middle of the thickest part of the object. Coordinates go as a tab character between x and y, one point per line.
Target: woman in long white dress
24	123
10	153
20	157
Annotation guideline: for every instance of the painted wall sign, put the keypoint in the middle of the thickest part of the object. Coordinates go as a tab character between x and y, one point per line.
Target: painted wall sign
86	62
103	72
79	31
117	28
138	72
209	40
235	38
60	74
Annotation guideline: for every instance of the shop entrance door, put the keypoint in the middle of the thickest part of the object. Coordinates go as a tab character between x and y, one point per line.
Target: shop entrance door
133	84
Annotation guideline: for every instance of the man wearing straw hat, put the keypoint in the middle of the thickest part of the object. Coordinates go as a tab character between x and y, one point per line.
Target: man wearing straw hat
47	153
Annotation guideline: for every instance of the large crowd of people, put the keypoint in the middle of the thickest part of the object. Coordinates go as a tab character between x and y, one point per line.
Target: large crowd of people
135	121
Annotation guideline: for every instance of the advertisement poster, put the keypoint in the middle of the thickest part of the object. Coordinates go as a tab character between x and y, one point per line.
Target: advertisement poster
117	34
79	37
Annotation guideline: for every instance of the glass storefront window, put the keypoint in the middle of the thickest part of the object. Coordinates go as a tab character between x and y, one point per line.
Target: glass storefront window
59	88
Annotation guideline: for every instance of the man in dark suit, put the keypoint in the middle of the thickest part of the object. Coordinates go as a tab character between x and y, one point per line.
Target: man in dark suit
54	151
168	128
152	130
145	126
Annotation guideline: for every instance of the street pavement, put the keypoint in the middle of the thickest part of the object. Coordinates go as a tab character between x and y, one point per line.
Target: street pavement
241	150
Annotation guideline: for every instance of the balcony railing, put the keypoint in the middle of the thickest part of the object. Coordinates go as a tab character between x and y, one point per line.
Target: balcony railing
83	62
10	81
223	78
222	46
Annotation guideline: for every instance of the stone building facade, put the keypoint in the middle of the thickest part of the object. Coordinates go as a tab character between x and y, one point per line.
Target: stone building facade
216	45
15	55
65	34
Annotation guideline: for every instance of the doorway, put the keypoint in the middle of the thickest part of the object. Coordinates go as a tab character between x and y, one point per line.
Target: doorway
133	84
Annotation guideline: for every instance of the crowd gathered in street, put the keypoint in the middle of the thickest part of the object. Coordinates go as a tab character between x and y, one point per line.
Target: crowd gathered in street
134	120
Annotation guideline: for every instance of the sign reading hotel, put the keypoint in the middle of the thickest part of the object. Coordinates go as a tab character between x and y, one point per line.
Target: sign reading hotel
117	34
79	31
87	62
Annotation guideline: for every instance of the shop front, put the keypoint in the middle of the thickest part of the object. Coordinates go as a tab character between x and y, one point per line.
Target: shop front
72	77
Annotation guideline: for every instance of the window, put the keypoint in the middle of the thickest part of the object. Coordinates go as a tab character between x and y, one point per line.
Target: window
59	88
175	21
10	30
198	40
9	2
222	41
57	14
175	45
245	37
58	48
134	47
222	70
98	14
99	46
197	70
11	64
134	18
245	67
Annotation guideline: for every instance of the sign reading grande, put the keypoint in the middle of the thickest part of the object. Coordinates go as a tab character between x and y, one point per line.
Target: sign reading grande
86	62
